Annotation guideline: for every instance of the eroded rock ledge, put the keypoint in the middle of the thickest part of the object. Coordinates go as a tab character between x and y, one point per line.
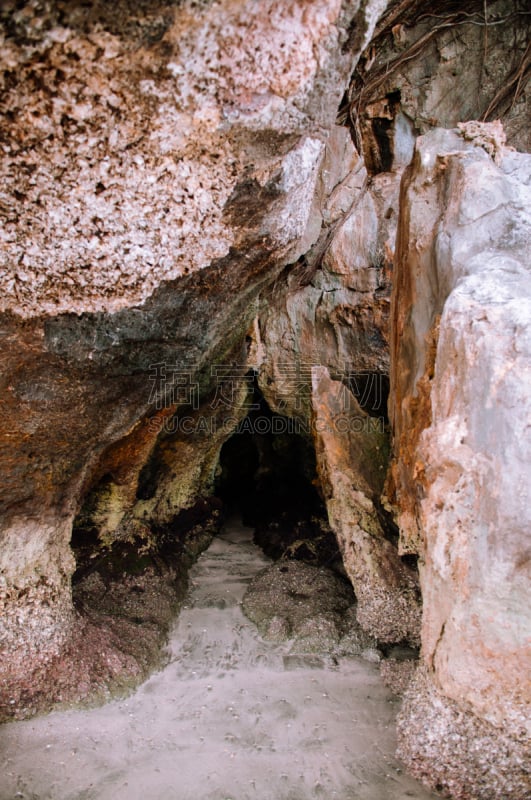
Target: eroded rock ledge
185	229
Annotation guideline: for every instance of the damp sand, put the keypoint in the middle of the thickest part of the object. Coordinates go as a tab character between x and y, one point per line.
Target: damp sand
230	717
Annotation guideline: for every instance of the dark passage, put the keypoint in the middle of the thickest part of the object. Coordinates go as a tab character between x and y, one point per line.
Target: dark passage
268	475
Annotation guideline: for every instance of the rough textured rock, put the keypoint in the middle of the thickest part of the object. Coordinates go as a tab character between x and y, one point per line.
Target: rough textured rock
127	590
311	606
334	312
116	172
467	756
299	601
461	410
397	675
159	164
334	308
176	197
352	458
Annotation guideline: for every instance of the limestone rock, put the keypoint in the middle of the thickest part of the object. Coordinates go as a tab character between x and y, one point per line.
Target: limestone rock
397	675
119	170
455	751
353	247
334	310
175	196
159	166
461	413
352	454
294	600
428	68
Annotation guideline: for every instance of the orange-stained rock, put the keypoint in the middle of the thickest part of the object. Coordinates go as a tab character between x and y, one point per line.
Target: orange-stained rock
352	453
461	413
158	170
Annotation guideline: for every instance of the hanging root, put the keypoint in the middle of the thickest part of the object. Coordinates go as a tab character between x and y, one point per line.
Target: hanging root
514	85
369	76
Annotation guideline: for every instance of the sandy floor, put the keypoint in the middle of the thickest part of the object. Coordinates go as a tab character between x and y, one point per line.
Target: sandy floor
231	717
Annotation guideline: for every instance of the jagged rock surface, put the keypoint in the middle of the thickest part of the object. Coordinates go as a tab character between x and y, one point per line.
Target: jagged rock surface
436	65
461	412
159	166
352	456
175	196
334	308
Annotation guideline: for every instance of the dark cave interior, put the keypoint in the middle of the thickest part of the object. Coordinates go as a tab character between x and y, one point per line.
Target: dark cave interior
267	474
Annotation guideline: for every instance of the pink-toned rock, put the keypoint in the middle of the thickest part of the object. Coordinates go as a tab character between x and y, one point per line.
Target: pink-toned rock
116	179
461	411
158	172
352	454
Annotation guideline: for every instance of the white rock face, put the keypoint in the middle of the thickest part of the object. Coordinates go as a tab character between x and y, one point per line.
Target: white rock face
298	177
37	554
466	284
354	247
477	511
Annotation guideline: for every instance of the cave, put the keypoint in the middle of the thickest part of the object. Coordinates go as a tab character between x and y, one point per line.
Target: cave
268	467
267	476
264	382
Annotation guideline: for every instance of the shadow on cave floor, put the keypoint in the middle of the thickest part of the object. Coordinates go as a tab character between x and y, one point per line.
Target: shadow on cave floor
231	715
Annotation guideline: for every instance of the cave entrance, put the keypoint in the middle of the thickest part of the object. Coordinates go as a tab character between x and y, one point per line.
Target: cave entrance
267	474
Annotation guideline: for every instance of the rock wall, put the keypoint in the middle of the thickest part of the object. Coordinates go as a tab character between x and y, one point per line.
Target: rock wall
182	217
159	165
352	456
323	348
461	411
435	65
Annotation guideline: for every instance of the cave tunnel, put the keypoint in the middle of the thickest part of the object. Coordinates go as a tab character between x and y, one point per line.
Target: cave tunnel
267	475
